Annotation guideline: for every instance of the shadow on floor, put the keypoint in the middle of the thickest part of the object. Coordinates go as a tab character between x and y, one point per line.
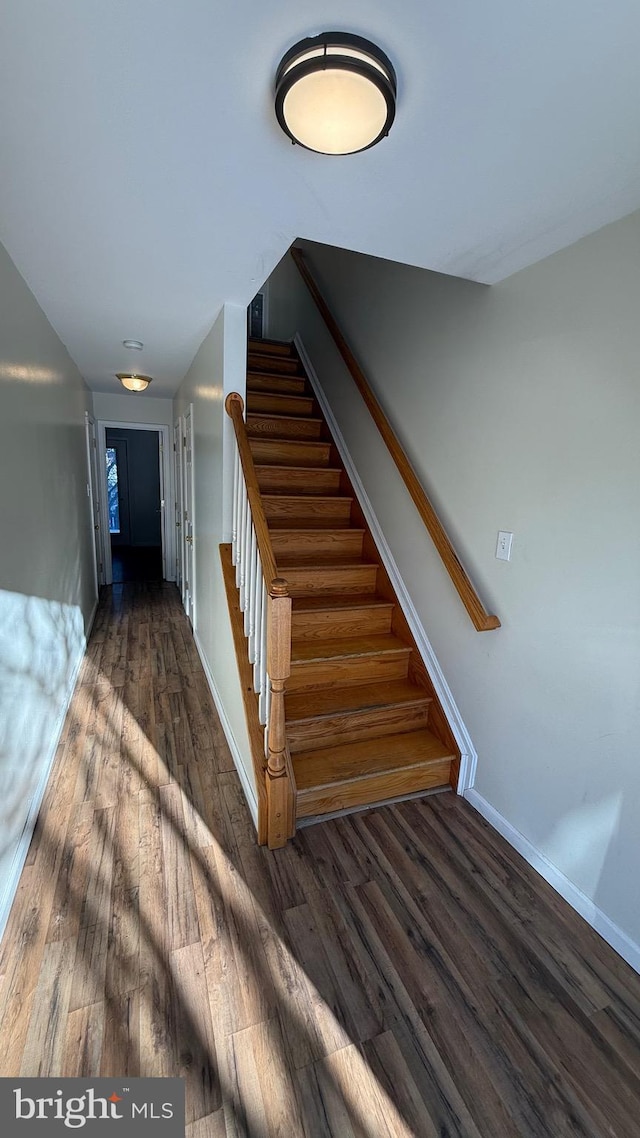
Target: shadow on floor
136	563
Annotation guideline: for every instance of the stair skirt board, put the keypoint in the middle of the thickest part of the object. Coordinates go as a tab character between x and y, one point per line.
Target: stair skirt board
364	721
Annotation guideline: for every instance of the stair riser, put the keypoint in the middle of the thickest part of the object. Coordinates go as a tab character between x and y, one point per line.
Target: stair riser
341	622
262	348
276	385
262	361
261	426
294	510
312	676
376	788
290	453
299	481
263	402
350	727
347	542
314	582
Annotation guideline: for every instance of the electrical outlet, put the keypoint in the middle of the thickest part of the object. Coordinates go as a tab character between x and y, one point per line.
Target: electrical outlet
503	548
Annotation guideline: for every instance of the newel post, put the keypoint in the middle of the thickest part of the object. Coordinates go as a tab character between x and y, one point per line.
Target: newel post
280	802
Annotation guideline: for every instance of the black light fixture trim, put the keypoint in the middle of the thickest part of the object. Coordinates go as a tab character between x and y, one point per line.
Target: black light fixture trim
380	72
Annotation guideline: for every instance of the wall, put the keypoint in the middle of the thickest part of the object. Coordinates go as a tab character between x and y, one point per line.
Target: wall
519	406
218	368
134	408
140	486
47	591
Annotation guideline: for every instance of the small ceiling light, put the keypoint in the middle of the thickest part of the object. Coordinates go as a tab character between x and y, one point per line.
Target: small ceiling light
137	345
133	382
335	93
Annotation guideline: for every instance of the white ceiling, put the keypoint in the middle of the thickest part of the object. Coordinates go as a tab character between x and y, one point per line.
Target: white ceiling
144	180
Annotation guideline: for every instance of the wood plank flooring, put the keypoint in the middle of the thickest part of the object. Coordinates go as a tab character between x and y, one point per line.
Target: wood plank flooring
396	973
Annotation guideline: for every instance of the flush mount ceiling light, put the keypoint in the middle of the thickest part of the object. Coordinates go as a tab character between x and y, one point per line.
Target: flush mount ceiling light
335	93
137	345
133	382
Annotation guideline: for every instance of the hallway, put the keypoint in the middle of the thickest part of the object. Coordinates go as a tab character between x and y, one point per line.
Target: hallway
392	974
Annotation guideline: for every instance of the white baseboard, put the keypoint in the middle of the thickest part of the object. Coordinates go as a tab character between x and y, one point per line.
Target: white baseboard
248	789
92	617
20	856
608	930
468	756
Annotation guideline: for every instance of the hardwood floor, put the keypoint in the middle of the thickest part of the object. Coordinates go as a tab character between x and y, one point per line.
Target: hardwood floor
399	972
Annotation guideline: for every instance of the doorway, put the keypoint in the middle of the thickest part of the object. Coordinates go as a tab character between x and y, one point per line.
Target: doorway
133	462
134	503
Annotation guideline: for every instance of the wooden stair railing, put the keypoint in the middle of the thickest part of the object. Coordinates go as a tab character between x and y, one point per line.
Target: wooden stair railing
266	604
482	620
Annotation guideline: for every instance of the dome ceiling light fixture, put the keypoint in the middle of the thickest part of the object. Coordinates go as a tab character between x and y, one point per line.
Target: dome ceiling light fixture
335	93
133	382
137	345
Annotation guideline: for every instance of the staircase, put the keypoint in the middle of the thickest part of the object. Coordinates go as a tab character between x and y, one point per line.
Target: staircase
363	723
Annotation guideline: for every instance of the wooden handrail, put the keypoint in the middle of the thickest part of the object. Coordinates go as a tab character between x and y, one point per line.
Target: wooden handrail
482	620
234	406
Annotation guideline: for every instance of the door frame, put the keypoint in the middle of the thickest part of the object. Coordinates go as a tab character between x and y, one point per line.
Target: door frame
167	495
93	493
188	414
178	479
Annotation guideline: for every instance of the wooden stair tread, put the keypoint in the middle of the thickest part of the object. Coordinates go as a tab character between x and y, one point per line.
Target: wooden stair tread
323	561
285	397
284	526
329	766
286	439
362	697
290	469
285	403
330	602
312	651
267	450
273	384
285	496
275	347
268	361
310	525
276	480
279	417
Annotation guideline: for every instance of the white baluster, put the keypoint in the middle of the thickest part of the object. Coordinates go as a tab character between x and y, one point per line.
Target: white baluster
251	635
236	501
251	582
267	684
242	506
246	535
257	639
262	710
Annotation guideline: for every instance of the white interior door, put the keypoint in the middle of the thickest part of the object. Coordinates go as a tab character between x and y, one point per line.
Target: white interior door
188	518
94	497
179	510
